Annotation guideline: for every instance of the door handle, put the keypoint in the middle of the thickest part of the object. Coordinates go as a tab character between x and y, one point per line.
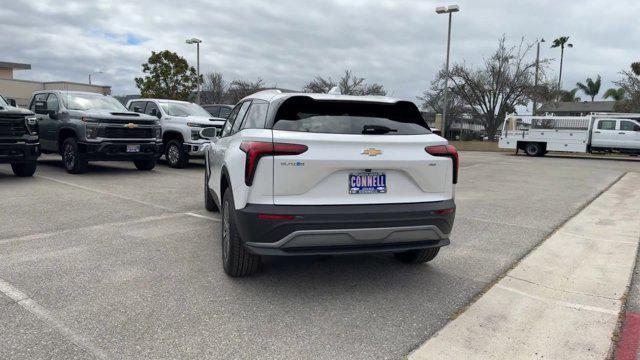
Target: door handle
622	133
597	132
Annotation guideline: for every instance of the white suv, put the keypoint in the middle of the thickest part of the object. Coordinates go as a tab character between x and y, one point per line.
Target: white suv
305	174
181	123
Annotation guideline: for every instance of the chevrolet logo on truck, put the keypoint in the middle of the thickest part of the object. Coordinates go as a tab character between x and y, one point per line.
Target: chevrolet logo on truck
131	126
371	152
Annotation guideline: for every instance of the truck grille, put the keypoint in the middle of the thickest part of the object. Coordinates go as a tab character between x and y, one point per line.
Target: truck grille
124	133
12	125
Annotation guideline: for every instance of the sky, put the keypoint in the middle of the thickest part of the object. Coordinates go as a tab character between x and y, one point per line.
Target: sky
398	43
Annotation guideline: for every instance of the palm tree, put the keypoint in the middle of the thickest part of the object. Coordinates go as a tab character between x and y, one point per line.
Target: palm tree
615	94
561	42
591	88
569	95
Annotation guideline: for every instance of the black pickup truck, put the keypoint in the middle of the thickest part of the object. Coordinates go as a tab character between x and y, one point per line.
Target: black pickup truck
18	139
84	126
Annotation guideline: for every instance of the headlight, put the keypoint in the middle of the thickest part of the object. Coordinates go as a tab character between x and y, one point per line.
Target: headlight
158	132
32	124
91	130
195	134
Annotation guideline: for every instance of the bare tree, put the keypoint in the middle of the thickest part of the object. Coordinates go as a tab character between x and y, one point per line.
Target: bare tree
433	100
241	88
214	89
504	81
630	83
348	84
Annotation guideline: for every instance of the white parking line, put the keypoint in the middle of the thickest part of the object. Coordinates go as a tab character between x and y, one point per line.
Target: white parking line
41	313
102	192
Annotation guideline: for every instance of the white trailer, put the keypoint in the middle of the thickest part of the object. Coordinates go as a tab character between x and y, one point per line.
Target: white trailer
599	132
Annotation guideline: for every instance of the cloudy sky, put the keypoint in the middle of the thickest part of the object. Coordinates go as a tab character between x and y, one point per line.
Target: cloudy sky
399	43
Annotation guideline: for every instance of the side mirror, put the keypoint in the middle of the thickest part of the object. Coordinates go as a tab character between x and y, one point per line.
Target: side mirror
12	102
156	113
210	133
41	108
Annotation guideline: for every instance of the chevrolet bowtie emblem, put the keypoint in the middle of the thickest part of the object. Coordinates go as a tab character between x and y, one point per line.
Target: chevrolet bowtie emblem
131	126
371	152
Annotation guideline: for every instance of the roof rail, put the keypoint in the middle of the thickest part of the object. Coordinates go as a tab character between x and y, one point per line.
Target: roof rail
268	91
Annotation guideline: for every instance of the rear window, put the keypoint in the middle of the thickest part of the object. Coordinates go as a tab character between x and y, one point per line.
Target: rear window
304	114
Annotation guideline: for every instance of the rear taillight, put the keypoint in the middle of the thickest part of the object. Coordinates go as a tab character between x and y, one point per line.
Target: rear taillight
447	151
257	149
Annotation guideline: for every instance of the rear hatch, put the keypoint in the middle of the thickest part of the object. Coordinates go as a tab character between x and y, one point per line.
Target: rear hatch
358	153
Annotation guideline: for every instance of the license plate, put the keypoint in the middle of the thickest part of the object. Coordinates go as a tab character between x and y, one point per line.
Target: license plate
368	183
133	148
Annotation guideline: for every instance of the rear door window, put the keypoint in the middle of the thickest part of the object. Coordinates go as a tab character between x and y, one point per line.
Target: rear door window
607	125
228	126
304	114
256	116
52	103
38	97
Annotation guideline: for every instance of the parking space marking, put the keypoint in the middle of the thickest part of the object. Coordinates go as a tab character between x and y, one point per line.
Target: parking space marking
45	316
102	192
89	227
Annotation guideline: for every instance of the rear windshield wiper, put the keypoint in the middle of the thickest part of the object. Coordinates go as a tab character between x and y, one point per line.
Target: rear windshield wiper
377	129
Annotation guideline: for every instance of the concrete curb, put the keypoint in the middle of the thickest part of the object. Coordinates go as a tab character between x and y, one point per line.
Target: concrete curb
562	301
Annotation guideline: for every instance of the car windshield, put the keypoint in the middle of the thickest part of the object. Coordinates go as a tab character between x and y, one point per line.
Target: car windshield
349	117
91	102
3	102
183	109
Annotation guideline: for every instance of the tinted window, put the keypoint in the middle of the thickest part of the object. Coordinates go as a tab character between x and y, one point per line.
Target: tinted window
38	97
152	109
224	112
226	131
628	125
241	114
256	116
607	125
138	106
349	117
52	102
213	110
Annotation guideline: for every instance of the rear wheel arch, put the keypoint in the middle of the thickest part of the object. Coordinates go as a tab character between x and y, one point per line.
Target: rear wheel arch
225	182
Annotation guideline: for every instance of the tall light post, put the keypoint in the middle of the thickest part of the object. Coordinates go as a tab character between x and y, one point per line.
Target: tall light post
446	10
535	80
197	42
93	73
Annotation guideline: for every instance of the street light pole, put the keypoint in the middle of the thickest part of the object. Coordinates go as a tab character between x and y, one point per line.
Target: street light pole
96	72
535	80
197	42
447	10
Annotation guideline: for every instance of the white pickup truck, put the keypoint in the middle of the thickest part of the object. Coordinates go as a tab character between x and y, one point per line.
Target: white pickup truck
536	135
181	123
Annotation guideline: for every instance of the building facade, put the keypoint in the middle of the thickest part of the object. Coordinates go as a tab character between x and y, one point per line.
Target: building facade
21	90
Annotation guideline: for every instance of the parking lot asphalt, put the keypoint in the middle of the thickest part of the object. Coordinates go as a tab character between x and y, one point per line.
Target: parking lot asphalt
118	263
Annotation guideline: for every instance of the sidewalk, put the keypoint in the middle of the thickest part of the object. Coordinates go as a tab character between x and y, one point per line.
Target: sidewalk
563	300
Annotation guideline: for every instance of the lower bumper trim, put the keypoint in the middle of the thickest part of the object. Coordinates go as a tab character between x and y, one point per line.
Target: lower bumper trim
348	249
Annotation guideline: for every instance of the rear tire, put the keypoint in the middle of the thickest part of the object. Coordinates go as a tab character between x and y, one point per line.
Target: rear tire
24	169
175	154
533	149
209	204
74	161
145	165
417	256
237	260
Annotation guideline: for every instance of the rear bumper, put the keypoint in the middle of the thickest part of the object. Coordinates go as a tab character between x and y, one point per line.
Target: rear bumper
345	229
118	150
19	152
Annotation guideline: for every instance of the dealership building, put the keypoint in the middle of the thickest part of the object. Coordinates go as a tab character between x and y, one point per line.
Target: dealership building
21	90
